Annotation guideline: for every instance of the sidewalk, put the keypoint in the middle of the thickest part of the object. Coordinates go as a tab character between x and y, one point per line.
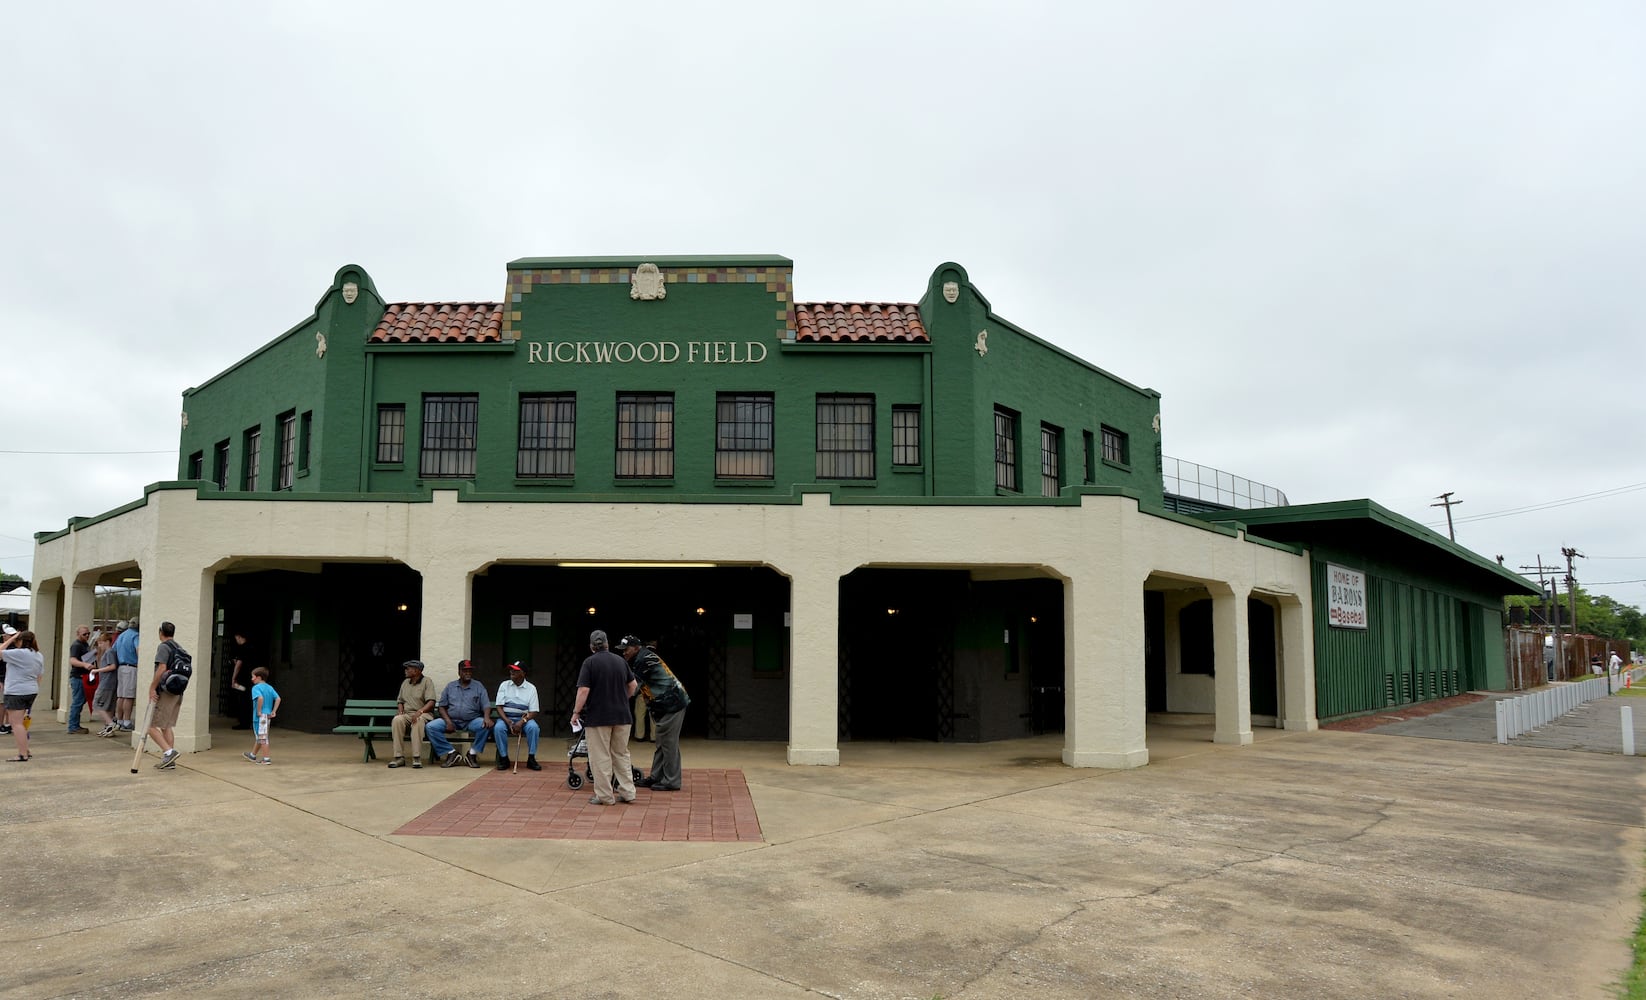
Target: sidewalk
1307	865
1594	726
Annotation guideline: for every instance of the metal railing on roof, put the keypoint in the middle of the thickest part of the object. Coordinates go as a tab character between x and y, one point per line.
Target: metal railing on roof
1214	486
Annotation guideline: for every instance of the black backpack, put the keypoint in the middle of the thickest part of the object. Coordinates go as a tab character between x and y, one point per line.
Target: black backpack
178	671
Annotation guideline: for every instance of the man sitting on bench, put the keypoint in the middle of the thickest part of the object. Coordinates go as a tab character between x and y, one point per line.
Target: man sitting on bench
416	705
516	714
463	705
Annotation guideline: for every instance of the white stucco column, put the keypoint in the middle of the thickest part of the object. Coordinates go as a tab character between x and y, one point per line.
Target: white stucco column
1297	667
814	674
447	611
81	607
1231	644
1104	705
177	590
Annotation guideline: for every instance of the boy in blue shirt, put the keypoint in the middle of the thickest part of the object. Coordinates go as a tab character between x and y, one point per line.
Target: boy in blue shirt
265	702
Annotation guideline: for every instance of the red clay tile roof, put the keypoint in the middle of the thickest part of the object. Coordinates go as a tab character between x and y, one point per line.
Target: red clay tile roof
859	322
440	323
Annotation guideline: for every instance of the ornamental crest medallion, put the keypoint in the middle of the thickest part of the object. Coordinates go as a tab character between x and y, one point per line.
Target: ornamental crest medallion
647	283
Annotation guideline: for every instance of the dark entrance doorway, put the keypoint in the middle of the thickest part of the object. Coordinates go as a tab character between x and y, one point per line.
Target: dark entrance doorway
721	631
1262	659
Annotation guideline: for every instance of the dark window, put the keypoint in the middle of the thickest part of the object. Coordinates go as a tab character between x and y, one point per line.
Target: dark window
449	436
743	435
1089	446
197	464
548	436
391	433
305	431
645	435
1051	461
287	425
905	435
1114	447
1005	448
845	437
220	464
250	459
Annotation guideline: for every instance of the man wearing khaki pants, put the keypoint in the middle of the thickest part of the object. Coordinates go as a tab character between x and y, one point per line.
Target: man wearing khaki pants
415	708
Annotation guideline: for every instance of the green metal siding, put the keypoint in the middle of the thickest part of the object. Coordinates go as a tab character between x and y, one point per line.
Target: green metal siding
1419	646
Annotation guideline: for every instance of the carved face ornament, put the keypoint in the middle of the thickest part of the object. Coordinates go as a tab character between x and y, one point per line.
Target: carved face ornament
951	291
351	291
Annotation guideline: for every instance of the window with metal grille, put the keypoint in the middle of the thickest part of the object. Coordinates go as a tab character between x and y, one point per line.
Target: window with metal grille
391	433
286	423
305	433
197	464
645	435
448	436
1051	463
845	436
905	435
548	436
220	465
1114	447
250	459
1005	448
743	435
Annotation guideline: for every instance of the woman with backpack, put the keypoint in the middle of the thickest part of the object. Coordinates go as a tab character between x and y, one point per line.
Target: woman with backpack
24	666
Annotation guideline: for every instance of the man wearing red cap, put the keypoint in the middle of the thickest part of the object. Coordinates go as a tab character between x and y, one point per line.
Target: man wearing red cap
516	715
463	705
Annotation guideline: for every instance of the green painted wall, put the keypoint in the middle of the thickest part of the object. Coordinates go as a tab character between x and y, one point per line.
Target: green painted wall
289	374
1042	383
725	324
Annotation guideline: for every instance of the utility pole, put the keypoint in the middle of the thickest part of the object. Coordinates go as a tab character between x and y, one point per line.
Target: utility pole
1447	502
1571	597
1550	596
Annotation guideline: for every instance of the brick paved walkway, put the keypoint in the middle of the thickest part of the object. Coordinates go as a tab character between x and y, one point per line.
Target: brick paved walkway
712	805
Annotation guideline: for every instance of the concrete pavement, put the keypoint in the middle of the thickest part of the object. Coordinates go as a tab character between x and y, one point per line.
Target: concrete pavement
1594	726
1313	865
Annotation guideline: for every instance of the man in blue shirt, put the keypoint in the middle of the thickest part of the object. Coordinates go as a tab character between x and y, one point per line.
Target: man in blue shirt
125	655
463	705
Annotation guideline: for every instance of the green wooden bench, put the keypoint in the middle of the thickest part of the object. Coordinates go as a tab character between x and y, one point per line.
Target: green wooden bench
369	718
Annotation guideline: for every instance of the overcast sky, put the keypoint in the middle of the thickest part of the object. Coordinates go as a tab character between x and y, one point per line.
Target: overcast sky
1382	250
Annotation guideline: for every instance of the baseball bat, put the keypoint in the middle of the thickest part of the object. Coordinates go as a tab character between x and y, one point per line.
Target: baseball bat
143	736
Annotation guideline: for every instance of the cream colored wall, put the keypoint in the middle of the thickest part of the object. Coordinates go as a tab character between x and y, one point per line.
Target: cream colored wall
1103	549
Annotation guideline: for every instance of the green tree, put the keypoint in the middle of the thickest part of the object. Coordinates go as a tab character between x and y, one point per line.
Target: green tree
1600	615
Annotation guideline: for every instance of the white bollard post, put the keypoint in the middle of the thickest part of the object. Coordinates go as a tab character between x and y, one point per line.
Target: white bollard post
1628	730
1502	735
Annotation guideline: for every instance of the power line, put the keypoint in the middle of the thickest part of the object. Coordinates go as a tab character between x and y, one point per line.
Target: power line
1549	504
7	452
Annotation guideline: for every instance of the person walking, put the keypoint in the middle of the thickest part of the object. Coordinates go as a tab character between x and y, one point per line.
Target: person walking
666	704
24	667
166	704
604	687
240	681
265	702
